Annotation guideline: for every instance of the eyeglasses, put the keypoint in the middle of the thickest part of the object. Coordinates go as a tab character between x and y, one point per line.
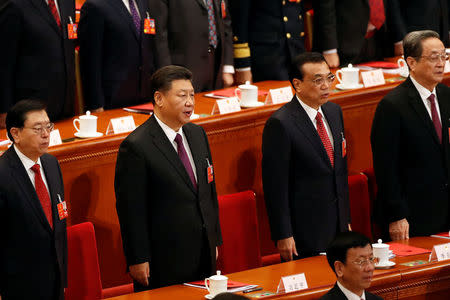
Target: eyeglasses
321	80
364	262
40	129
434	58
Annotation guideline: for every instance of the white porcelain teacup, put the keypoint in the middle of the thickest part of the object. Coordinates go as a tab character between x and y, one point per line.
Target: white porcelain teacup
247	93
403	66
216	284
87	124
348	76
381	251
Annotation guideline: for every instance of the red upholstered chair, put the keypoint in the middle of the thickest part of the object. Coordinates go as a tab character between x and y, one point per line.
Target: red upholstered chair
83	272
240	250
373	190
360	204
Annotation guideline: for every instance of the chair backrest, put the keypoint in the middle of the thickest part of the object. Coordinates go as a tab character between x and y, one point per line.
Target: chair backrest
240	250
360	204
83	271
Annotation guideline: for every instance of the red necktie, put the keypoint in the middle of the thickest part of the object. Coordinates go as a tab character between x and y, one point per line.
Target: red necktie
324	137
435	117
185	159
42	193
377	15
54	11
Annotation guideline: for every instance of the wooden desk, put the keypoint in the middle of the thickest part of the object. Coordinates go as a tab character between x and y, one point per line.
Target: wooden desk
235	139
428	281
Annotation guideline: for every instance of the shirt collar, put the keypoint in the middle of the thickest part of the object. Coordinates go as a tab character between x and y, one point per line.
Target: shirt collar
423	92
349	294
311	112
27	162
170	133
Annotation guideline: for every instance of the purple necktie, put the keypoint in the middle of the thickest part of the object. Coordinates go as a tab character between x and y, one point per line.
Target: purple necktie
185	159
135	15
435	117
211	24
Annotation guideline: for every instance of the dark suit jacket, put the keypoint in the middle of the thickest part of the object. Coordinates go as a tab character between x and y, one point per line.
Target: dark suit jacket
411	166
37	58
33	257
305	197
404	16
336	294
116	61
338	27
264	25
163	220
183	39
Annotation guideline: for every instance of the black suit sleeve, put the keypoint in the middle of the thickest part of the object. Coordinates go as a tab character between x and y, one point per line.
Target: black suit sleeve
240	14
276	148
162	40
131	186
385	140
90	37
11	28
325	34
395	20
228	36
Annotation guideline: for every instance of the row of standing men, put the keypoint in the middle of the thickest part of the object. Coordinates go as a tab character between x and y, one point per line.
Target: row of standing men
122	42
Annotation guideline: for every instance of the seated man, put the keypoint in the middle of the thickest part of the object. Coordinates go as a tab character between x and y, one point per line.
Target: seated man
351	258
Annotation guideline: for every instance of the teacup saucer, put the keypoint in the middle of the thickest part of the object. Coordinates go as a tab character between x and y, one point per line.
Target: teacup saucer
387	265
254	104
343	87
209	296
85	136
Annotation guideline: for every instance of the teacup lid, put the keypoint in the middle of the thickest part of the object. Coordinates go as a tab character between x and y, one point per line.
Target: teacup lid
88	116
350	68
380	244
218	277
248	86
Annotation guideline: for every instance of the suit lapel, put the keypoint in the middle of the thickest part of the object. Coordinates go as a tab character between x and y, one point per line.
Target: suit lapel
202	4
52	184
126	16
333	121
23	181
194	145
165	146
45	13
305	125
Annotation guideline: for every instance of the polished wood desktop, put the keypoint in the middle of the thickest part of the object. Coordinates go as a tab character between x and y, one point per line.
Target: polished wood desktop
426	281
235	139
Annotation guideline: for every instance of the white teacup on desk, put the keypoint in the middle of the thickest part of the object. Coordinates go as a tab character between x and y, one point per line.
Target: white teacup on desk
348	77
216	284
403	66
87	126
247	95
381	252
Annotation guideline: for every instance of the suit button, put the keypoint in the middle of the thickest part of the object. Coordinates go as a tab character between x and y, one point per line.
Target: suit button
235	38
285	19
288	35
284	2
209	50
204	225
302	34
300	17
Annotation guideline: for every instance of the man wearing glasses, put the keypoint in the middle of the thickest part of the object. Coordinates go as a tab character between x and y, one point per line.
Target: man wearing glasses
304	164
351	257
410	144
33	241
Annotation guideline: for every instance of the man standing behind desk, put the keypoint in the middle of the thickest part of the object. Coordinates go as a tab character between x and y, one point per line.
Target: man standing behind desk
410	144
304	164
165	190
36	56
33	252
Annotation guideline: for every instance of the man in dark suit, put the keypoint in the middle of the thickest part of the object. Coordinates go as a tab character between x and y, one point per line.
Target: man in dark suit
351	257
404	16
350	31
410	144
37	57
165	190
116	55
304	164
267	36
33	255
196	34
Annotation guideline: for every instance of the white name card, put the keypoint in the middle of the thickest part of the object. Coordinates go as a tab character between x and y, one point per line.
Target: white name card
280	95
55	138
225	106
373	78
292	283
121	125
440	252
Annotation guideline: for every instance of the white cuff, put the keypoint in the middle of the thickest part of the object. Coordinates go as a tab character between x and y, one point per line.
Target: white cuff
228	69
331	51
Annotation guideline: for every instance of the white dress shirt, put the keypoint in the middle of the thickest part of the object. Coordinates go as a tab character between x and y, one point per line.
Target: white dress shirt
171	134
350	295
28	163
424	94
312	113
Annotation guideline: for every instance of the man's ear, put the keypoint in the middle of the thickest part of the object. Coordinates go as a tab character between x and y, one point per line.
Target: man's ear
411	62
159	99
15	134
339	268
297	84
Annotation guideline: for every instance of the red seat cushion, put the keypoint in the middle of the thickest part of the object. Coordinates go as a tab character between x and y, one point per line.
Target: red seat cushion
360	204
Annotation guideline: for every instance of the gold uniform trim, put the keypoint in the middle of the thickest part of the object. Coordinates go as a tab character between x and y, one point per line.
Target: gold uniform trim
241	50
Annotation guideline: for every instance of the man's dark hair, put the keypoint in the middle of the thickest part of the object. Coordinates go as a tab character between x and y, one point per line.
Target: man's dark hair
337	250
162	79
17	114
412	42
296	68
